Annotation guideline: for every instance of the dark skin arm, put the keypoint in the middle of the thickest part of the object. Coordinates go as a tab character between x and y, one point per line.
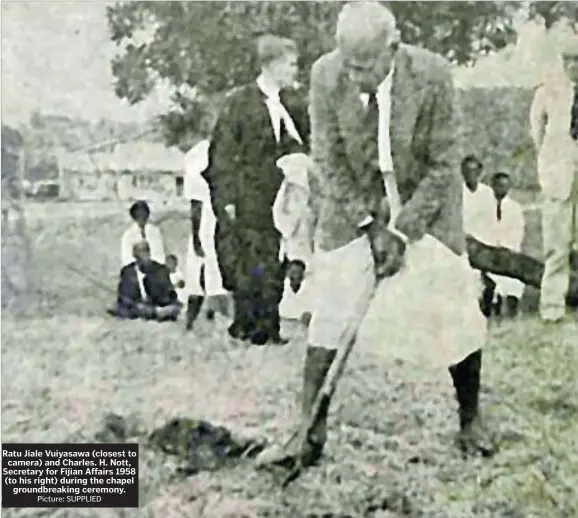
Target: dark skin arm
196	211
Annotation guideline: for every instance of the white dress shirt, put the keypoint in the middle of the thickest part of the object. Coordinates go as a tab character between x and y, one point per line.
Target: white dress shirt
477	207
481	222
277	111
140	278
132	236
383	96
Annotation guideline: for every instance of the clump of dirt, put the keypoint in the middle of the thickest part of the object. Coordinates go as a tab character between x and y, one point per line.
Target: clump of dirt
198	445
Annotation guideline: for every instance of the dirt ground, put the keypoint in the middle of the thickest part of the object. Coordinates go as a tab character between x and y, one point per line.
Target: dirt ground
390	451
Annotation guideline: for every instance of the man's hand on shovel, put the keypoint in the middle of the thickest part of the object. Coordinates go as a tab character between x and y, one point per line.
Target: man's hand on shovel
388	251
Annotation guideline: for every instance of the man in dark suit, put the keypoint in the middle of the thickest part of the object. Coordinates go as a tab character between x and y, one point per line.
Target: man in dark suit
384	143
145	289
257	126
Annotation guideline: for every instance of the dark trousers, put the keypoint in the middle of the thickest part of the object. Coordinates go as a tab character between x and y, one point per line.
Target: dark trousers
125	312
249	261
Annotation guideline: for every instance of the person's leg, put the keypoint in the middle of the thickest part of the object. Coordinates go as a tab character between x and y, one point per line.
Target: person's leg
473	436
557	233
194	304
264	274
343	285
193	285
273	294
122	312
169	313
487	297
244	294
512	304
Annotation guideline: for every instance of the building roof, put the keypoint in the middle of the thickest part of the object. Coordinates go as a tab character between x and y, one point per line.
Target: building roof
131	156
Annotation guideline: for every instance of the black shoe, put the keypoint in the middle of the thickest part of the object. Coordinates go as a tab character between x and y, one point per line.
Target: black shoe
278	340
193	308
236	332
473	436
259	337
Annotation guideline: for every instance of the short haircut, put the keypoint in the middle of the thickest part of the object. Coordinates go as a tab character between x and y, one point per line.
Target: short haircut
139	206
472	159
141	246
499	175
270	47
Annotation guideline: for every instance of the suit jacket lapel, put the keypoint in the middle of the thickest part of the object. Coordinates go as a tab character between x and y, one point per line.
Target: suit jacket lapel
405	103
351	121
136	295
264	121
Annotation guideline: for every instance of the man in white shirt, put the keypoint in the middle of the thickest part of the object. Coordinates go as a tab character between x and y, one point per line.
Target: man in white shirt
390	198
506	228
554	130
140	230
202	268
477	197
493	218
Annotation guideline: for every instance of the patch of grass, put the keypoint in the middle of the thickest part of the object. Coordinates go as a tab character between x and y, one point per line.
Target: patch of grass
65	365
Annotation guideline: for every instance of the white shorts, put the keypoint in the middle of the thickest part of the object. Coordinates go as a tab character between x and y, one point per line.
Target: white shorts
426	313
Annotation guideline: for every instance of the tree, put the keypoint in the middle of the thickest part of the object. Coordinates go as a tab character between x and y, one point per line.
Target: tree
551	12
209	45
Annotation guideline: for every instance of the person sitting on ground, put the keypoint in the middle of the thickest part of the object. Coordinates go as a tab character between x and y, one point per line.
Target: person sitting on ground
293	218
145	289
177	279
140	230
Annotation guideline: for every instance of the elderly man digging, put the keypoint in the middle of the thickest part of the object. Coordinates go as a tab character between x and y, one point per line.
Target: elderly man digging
390	230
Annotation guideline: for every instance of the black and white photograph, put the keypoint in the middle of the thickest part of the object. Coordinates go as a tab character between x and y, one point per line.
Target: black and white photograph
289	259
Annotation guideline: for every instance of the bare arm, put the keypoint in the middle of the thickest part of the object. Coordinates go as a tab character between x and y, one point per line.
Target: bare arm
538	118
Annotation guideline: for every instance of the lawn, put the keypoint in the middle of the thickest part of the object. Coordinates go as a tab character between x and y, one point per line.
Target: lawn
65	365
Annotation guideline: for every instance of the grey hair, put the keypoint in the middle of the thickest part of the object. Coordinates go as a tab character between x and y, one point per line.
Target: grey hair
364	22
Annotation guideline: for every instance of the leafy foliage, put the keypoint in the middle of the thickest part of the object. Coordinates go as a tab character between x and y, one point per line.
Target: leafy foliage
551	12
209	45
502	143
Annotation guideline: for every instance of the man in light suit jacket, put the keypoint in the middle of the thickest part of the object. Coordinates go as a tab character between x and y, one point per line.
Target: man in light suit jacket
554	128
378	191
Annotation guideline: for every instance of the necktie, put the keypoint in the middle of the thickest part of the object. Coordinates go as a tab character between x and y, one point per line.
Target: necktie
499	210
574	115
371	123
143	233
